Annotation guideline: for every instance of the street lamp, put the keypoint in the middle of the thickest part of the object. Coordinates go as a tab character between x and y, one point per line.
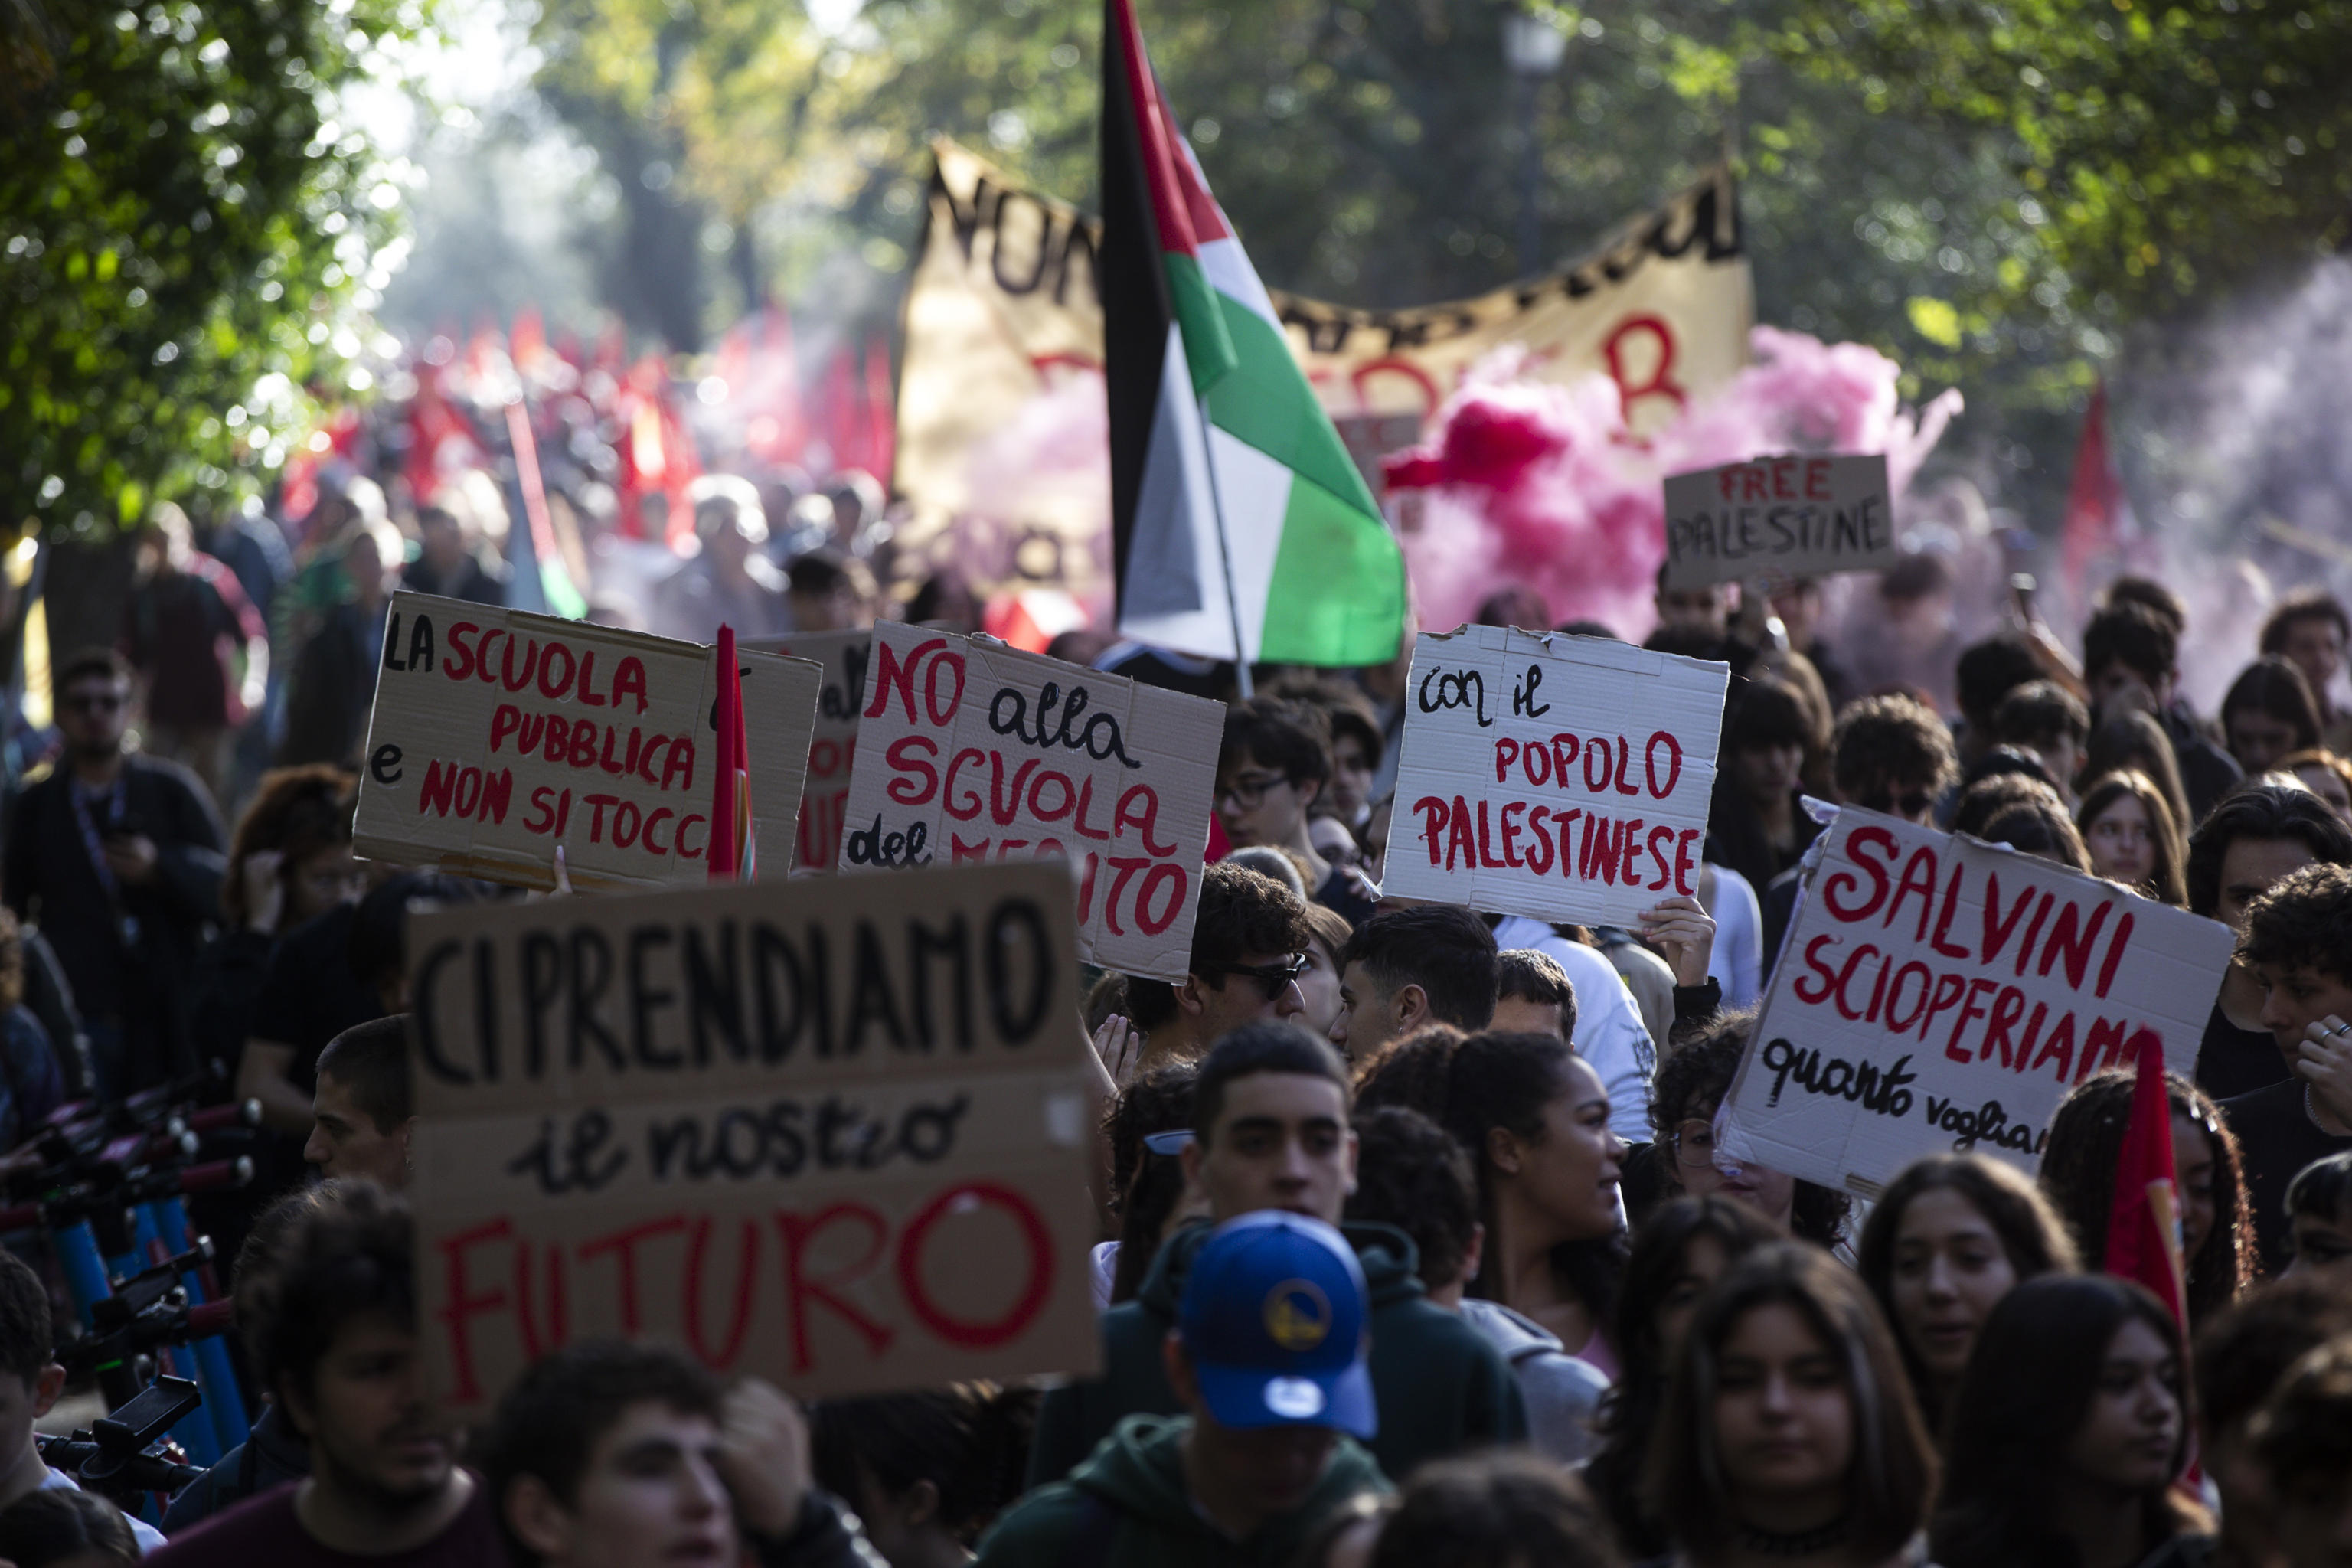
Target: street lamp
1532	50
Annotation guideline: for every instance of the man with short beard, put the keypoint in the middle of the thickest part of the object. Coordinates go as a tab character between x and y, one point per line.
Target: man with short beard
333	1333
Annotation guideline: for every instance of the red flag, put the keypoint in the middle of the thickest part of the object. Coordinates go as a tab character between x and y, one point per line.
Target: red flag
2098	513
734	850
881	421
2144	1221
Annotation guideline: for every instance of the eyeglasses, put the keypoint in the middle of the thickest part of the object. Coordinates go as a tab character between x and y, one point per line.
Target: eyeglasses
1916	804
1249	790
1272	978
94	703
1693	1143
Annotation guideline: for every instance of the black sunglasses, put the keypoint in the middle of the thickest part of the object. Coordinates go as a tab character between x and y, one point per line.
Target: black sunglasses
1912	804
1273	977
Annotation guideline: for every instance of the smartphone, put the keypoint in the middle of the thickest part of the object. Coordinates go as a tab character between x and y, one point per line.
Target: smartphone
149	1415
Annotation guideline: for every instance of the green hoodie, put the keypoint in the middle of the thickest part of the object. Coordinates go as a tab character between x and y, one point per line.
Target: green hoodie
1132	1496
1442	1386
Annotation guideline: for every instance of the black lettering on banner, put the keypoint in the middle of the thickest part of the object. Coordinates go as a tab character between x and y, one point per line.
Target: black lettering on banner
1988	1123
847	700
1523	694
1883	1094
591	971
384	764
954	944
574	1167
1099	738
772	959
1004	968
872	846
872	995
743	1142
424	1019
1456	689
714	993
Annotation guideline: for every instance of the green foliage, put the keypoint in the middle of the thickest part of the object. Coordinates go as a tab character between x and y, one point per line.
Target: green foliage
186	234
2164	151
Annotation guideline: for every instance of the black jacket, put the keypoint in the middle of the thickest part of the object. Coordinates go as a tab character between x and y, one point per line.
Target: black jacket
130	976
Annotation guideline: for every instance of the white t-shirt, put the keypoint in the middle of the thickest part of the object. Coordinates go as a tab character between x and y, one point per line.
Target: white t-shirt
1609	1030
1737	958
150	1538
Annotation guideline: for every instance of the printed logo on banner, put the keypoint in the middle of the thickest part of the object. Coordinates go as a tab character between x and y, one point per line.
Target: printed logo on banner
833	746
497	734
972	752
1562	777
832	1134
1938	994
1787	516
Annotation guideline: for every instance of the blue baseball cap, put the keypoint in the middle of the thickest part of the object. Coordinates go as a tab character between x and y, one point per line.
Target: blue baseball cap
1274	1318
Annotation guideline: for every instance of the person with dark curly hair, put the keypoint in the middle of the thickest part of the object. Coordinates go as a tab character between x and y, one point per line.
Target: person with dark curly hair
2217	1226
1947	1240
2070	1427
331	1331
1249	944
1691	1083
2258	836
1680	1251
2298	943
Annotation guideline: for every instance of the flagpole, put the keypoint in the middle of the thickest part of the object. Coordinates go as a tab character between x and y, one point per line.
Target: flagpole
1226	558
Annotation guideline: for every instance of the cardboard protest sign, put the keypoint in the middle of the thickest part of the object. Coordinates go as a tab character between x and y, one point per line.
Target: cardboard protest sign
1562	777
498	736
1790	516
1938	994
834	745
838	1136
969	750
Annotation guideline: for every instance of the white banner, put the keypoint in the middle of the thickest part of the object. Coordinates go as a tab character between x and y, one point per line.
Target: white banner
1562	777
1938	994
1787	516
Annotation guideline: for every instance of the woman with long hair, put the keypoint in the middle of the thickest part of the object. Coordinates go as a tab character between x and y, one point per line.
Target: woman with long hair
1535	1119
1950	1237
2070	1427
1789	1434
1755	825
2217	1221
2129	829
1691	1081
2127	740
1679	1252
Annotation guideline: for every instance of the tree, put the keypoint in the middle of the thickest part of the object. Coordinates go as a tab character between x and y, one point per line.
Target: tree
187	232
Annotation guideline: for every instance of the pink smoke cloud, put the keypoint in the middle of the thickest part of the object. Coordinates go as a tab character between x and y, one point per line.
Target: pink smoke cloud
1538	486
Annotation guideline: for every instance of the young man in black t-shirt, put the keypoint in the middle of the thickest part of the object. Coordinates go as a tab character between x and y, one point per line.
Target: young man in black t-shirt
2298	943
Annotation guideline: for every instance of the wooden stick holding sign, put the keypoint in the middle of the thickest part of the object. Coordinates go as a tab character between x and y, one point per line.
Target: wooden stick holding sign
498	735
1935	993
1562	777
836	1134
1785	517
972	752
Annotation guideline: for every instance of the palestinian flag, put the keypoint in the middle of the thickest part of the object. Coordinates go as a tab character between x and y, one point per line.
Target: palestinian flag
1211	419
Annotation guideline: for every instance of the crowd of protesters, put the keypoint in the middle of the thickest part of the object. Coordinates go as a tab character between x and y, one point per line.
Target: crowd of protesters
1418	1246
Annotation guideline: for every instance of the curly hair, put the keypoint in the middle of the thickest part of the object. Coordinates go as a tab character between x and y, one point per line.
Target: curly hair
2303	921
1414	1174
1890	741
2078	1176
294	812
1689	1085
1241	912
2302	604
346	1256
